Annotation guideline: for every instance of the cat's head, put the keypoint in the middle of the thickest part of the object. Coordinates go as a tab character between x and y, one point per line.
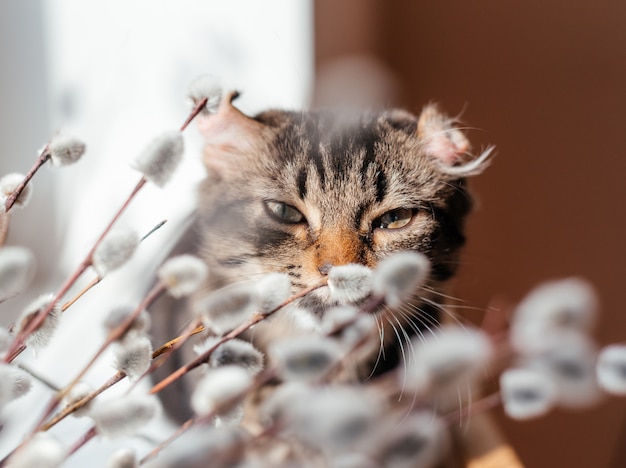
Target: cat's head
301	192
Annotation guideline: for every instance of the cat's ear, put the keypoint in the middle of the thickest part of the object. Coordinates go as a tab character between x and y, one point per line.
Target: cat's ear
441	138
230	136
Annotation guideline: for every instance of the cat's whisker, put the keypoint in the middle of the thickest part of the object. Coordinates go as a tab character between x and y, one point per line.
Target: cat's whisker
381	349
408	318
437	292
405	359
422	317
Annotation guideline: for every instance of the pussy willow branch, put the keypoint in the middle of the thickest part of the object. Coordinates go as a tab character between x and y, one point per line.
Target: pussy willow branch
258	382
18	343
99	278
264	378
194	112
166	348
44	156
69	409
172	345
256	318
114	335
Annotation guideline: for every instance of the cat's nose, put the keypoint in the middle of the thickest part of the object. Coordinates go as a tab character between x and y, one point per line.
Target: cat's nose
325	268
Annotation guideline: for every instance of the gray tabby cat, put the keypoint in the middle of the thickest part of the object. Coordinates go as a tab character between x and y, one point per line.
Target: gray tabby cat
301	192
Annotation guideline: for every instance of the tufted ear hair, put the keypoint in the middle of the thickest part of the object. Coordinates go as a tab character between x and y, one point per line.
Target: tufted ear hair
231	136
441	138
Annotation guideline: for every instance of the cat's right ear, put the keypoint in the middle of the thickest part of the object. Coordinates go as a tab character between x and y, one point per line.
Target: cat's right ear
231	137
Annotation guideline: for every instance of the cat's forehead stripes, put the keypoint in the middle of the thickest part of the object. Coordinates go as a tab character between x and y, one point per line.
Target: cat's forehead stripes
332	153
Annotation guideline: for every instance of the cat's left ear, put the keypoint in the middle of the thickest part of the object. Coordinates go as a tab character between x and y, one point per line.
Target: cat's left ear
441	138
230	136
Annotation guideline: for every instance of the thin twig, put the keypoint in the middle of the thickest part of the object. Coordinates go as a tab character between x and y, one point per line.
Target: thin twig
41	160
166	348
204	357
153	230
196	110
18	343
38	377
98	278
69	409
114	335
171	346
86	437
226	406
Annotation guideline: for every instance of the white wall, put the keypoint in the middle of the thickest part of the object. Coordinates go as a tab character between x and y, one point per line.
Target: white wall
115	74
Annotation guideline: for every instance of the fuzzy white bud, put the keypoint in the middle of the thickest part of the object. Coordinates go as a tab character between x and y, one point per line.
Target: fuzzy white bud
10	182
161	157
347	325
205	86
218	387
526	393
205	345
66	150
275	408
114	250
611	369
349	284
569	360
273	289
123	458
227	308
14	383
306	358
398	276
419	440
133	356
568	304
240	353
183	275
124	416
22	383
141	323
79	391
42	451
333	418
450	355
17	268
40	338
204	445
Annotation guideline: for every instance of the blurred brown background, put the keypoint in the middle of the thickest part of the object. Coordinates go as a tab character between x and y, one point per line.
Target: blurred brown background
545	81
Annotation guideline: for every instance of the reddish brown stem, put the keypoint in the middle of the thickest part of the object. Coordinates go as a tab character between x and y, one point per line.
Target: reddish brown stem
18	343
86	437
170	346
82	402
256	318
114	335
196	110
258	382
41	160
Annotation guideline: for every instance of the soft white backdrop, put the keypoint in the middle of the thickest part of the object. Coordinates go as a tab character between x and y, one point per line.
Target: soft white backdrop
115	74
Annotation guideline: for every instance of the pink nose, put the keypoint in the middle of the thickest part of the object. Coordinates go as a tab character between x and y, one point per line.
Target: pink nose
325	268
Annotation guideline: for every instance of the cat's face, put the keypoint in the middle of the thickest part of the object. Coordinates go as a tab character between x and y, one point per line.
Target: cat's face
299	193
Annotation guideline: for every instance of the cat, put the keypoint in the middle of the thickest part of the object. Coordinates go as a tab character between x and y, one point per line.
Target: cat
301	192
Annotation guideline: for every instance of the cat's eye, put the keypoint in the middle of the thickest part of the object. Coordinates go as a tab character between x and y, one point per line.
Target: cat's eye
394	219
283	212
